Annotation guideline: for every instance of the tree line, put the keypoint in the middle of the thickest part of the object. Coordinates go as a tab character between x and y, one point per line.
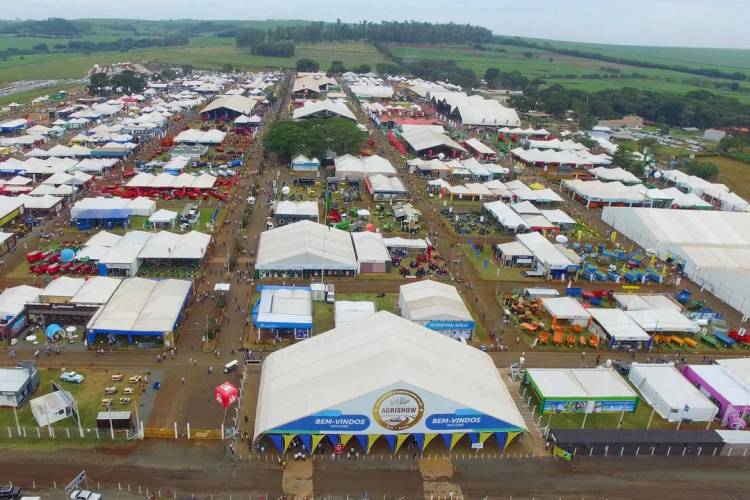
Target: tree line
386	31
88	47
125	82
54	26
698	108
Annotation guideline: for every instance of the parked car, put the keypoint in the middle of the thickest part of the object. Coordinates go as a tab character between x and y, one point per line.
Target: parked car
84	495
73	377
10	492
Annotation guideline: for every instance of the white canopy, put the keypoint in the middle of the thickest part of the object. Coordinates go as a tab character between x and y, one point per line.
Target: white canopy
673	396
374	355
305	245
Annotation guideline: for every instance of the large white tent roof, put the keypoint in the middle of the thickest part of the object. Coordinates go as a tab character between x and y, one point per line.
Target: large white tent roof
430	300
370	247
671	394
733	386
580	382
619	325
663	320
372	354
422	138
96	290
326	107
141	304
237	103
565	308
363	166
347	311
305	245
64	286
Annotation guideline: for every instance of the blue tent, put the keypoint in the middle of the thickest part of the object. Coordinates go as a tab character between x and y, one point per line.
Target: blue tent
52	330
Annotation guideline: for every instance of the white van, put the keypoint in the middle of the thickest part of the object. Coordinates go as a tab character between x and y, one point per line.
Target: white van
231	366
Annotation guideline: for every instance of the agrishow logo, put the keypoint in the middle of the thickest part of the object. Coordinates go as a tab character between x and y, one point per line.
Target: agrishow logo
398	410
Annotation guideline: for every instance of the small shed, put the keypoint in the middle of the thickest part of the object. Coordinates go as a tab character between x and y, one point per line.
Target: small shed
118	420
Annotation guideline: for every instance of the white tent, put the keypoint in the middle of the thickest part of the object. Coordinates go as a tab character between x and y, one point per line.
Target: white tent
53	407
376	355
673	396
427	300
567	309
163	216
347	311
617	325
305	245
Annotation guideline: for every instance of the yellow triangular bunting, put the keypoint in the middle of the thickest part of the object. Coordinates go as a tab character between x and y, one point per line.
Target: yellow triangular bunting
483	436
455	438
316	439
345	438
371	438
400	439
288	438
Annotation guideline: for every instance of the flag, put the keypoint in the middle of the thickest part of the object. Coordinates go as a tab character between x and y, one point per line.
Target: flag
562	454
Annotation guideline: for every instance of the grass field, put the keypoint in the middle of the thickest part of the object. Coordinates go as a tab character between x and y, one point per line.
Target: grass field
203	52
562	69
735	174
88	396
493	271
722	59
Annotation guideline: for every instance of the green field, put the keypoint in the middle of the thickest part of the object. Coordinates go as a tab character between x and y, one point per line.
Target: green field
722	59
88	396
203	52
565	70
733	173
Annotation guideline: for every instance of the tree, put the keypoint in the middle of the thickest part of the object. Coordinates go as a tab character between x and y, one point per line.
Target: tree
624	159
187	69
128	82
343	136
336	68
362	68
250	37
274	49
586	122
704	170
285	138
492	76
41	47
306	65
227	68
98	84
528	54
167	74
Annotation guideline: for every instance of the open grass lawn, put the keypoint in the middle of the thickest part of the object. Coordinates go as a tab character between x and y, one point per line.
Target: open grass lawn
322	317
27	96
492	271
88	396
734	173
386	302
323	313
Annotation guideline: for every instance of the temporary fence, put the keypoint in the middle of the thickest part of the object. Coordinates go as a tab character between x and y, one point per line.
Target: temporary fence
65	433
